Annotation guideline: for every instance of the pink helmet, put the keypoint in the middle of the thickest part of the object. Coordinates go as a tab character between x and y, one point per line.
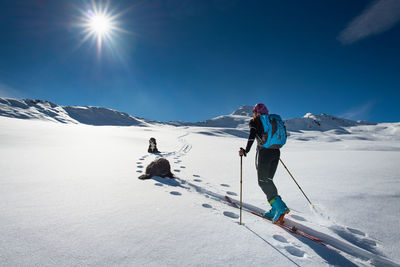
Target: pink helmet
260	108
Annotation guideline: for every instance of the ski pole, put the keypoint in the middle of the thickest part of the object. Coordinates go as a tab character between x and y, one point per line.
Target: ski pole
297	183
241	174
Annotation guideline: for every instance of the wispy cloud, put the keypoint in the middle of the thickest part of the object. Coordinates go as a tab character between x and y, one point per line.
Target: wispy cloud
378	17
359	112
7	91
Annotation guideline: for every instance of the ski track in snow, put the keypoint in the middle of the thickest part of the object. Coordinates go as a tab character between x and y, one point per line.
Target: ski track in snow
176	156
349	241
362	248
356	247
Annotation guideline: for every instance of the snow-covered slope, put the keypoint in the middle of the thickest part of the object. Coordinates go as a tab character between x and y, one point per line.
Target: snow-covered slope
238	119
322	127
45	110
309	122
34	109
309	127
70	196
101	116
322	122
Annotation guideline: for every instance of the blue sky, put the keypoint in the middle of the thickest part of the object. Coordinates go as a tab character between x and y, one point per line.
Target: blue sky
193	60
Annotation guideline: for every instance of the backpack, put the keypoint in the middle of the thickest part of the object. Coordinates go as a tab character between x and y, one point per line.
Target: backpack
274	135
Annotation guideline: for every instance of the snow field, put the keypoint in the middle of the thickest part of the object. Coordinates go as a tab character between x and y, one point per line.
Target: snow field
70	195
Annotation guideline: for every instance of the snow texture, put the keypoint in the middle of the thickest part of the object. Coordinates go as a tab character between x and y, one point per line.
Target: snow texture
70	193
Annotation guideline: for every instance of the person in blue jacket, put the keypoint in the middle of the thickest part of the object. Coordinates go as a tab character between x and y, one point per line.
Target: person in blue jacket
267	160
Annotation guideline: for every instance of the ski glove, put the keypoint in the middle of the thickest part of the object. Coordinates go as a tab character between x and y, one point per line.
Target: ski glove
242	152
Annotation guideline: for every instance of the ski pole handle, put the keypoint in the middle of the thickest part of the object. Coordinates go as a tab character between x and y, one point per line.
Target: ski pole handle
243	152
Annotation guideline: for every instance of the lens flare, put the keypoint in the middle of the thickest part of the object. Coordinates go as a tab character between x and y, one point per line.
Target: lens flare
99	23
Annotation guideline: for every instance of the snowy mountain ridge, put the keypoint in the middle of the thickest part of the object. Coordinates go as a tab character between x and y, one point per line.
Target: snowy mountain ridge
322	122
309	122
45	110
235	123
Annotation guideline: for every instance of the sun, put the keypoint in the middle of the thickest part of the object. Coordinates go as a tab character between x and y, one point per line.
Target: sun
100	24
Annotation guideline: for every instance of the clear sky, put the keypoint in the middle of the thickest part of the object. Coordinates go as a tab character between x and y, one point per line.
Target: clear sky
193	60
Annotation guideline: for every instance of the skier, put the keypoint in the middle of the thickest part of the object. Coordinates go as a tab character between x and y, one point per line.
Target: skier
267	159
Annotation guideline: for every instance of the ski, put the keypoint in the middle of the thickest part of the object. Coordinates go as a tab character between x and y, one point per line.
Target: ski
290	229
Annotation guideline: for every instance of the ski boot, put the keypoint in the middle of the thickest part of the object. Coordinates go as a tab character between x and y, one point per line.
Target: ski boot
270	214
280	209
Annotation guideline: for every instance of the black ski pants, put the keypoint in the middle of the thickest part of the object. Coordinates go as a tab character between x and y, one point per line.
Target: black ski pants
267	163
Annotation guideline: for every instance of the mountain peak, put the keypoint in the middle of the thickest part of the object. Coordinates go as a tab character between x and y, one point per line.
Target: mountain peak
308	115
244	111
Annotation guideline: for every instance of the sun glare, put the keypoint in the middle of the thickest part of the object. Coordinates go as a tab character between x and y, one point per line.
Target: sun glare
100	24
